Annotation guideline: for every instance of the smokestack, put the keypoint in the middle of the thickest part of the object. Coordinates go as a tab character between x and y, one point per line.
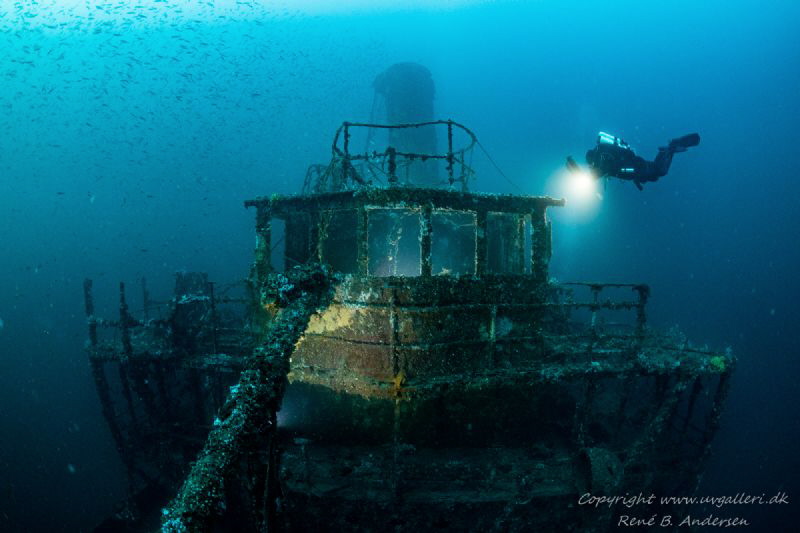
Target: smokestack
407	91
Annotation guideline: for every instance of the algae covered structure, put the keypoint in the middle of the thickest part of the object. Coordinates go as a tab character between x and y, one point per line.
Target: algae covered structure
399	357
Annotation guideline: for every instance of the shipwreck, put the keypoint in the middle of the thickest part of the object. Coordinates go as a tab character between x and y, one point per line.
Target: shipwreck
398	359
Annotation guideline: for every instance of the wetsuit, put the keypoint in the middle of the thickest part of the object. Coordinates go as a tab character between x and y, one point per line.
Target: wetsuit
617	159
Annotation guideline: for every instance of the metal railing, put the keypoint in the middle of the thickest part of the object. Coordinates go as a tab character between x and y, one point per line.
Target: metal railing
597	304
392	156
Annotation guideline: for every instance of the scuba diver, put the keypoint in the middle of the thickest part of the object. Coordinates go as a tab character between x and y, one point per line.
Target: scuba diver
615	158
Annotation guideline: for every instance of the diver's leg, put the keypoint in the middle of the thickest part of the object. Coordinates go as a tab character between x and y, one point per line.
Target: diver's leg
645	170
660	165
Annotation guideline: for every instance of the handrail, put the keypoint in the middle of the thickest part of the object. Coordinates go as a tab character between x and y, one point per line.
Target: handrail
451	156
640	304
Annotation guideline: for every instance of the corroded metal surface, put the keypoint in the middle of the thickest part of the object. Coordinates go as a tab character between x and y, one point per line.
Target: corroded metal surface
471	393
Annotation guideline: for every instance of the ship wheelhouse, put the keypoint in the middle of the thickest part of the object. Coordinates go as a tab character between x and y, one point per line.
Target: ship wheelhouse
400	358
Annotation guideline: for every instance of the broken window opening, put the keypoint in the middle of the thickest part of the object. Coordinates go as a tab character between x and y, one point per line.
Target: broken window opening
278	253
506	243
337	236
453	242
297	241
393	242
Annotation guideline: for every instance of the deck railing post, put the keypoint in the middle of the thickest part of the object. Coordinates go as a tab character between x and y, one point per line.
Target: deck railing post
314	244
362	241
263	259
346	169
319	234
595	306
392	154
540	244
126	354
641	313
425	237
518	253
451	179
481	248
88	303
124	323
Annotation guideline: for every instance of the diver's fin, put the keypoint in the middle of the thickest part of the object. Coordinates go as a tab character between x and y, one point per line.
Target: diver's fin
682	143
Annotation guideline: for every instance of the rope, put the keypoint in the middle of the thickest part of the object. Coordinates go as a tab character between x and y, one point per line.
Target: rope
497	168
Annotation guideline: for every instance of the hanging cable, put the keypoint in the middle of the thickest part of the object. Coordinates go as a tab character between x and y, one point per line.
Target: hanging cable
497	168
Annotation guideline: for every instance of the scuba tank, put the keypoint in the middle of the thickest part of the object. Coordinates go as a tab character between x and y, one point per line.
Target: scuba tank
607	138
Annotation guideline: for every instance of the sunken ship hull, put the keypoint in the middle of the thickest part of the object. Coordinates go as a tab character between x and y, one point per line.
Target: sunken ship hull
403	361
479	401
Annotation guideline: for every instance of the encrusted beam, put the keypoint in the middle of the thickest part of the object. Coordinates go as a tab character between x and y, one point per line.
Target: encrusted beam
425	236
263	252
540	244
481	248
371	197
250	409
362	242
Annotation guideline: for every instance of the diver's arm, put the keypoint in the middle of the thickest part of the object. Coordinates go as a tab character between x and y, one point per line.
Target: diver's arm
572	166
